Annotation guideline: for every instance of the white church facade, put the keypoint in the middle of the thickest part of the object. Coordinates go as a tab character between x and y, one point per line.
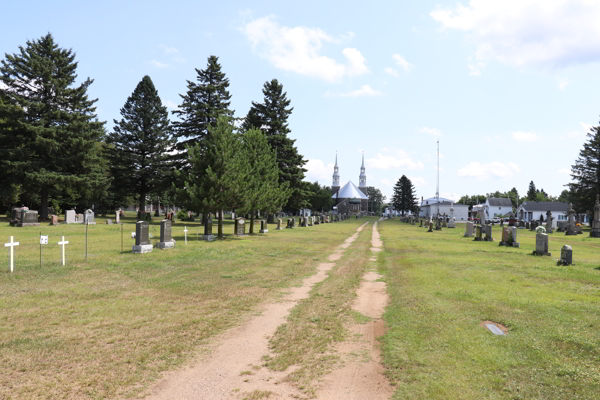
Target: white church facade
349	199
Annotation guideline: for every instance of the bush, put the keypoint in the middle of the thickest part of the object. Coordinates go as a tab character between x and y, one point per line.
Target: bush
55	204
182	215
144	216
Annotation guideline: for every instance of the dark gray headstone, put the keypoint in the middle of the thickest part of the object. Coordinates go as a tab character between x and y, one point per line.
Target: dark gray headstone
29	217
240	227
165	230
141	233
208	226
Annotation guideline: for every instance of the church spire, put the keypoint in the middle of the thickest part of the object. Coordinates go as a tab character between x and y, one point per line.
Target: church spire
362	179
336	174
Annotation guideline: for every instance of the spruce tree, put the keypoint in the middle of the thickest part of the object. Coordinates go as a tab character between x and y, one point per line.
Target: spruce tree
532	192
217	173
139	144
262	189
50	134
271	117
206	100
404	198
586	174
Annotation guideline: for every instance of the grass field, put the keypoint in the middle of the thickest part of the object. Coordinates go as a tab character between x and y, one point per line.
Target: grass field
107	327
442	286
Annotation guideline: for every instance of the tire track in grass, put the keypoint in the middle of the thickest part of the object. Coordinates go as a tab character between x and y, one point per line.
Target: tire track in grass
232	370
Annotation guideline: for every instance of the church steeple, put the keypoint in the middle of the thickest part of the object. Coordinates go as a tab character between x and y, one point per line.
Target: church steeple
335	186
362	179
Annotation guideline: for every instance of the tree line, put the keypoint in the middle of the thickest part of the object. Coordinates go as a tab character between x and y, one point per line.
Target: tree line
55	152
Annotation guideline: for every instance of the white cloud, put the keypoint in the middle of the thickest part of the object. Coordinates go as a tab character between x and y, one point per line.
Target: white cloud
170	104
431	131
168	50
400	160
418	180
318	171
298	49
401	61
492	170
525	136
365	90
391	71
158	64
552	33
475	67
564	171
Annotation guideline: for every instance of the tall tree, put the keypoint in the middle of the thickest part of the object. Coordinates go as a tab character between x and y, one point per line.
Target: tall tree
205	101
271	117
218	171
404	198
320	197
263	192
140	142
376	199
531	192
50	134
586	173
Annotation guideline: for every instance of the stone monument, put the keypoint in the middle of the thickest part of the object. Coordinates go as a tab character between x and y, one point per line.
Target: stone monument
596	222
208	228
469	229
70	217
142	243
549	222
566	255
28	218
240	227
89	218
488	233
452	223
263	226
278	224
541	245
571	229
166	241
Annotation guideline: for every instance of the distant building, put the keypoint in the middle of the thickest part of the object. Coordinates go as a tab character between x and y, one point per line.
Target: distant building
496	207
533	210
430	207
350	199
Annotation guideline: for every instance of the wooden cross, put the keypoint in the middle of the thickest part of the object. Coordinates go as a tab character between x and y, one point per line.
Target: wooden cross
11	245
185	232
62	243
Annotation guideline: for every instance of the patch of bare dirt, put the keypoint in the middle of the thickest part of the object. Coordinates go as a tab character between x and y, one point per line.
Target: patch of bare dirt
500	326
362	376
231	370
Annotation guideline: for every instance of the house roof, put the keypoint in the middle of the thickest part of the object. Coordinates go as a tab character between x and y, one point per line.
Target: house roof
545	206
499	202
349	191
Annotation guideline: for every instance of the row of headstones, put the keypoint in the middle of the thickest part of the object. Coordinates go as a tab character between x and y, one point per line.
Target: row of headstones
25	217
440	223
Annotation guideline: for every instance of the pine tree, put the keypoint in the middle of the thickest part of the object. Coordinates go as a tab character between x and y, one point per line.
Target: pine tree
218	171
205	101
404	198
532	192
262	189
586	174
50	135
139	144
320	197
271	117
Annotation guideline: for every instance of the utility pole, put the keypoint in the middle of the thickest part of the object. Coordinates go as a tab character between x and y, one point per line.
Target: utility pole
437	185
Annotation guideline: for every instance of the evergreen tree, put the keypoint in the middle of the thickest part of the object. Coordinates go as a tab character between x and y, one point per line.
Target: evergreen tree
320	197
262	189
586	173
50	134
404	198
532	192
271	117
206	100
139	144
218	173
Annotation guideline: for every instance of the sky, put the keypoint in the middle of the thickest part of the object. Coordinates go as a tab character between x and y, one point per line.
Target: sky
508	88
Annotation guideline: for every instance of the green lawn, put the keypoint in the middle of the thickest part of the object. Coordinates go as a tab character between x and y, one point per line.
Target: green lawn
442	286
107	327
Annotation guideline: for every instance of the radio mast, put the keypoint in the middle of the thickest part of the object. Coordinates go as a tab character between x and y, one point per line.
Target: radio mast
437	185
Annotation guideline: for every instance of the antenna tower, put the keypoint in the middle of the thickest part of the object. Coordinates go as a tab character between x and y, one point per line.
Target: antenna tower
437	185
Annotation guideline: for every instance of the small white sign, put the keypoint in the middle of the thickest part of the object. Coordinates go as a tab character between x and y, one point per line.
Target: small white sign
43	239
133	235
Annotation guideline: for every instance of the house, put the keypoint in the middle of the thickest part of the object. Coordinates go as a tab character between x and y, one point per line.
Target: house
430	208
536	210
495	207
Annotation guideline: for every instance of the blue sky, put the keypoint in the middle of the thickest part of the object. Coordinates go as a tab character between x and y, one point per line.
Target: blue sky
509	88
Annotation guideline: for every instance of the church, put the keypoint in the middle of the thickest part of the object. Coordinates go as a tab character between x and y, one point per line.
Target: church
350	199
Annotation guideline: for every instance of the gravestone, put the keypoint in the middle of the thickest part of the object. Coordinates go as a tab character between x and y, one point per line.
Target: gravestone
571	229
549	222
595	232
452	223
240	227
527	225
142	243
488	233
311	221
444	223
293	222
80	219
166	240
512	237
271	219
317	220
541	245
430	226
118	216
469	229
29	218
278	224
208	229
420	223
54	220
303	223
481	217
505	235
322	219
263	226
438	224
566	255
70	217
88	218
561	226
478	233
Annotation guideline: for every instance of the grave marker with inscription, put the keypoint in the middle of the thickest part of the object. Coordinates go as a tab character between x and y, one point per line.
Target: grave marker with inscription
142	241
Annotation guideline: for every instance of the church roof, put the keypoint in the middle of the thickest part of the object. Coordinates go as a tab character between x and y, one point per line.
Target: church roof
349	191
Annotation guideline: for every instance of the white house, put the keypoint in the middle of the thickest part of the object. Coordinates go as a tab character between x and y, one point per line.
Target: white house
430	208
536	210
495	207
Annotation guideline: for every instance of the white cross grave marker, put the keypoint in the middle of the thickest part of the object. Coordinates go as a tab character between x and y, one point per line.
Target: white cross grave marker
185	231
63	243
11	245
